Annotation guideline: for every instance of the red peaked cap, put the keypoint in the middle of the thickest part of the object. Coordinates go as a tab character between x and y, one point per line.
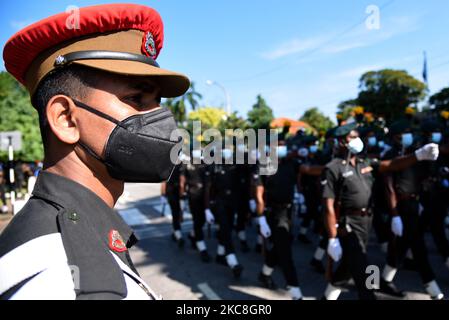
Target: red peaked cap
38	39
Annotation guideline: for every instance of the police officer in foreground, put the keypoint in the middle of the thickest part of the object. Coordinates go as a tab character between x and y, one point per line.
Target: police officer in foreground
97	90
274	206
347	195
407	223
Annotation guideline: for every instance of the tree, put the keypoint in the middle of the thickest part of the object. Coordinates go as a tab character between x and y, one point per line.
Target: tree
178	106
317	119
346	109
440	100
261	115
17	114
210	117
389	92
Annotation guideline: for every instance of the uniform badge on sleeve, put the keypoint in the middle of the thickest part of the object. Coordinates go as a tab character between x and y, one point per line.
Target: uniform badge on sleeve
116	242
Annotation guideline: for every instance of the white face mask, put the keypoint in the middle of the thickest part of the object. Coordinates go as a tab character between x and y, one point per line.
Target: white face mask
355	146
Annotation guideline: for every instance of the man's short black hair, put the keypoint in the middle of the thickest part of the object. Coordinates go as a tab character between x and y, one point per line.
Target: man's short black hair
72	81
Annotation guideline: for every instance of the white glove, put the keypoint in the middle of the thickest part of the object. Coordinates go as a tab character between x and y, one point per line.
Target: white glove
209	216
334	249
252	205
396	226
428	152
264	227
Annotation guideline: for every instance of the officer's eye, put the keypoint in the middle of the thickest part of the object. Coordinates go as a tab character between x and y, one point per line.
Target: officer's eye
135	99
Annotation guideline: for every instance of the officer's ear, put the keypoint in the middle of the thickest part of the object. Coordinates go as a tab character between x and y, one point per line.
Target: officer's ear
60	116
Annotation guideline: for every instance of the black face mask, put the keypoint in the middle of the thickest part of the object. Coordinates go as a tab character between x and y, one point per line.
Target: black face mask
139	148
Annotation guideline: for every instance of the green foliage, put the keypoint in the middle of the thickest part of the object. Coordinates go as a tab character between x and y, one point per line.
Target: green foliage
17	114
317	119
261	115
210	117
440	100
389	92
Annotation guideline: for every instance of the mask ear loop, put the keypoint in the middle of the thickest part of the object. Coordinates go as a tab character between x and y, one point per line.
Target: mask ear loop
98	113
101	115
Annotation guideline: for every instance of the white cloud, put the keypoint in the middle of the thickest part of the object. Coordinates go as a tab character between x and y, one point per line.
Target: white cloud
18	25
293	46
332	43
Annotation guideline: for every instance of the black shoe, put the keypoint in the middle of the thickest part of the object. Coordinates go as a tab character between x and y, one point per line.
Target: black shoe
221	260
390	289
237	271
244	246
303	238
258	248
181	243
205	257
267	281
317	266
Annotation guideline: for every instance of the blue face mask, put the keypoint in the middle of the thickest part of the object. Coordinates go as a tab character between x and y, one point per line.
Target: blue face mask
381	144
407	140
281	151
372	141
355	146
313	149
437	137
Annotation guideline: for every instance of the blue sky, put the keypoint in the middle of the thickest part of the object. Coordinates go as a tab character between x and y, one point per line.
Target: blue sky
296	53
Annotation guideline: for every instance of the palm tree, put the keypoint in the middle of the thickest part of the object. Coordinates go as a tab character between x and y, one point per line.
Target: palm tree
179	105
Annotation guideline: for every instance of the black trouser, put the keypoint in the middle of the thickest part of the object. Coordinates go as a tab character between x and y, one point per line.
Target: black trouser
196	204
354	262
381	224
242	212
435	210
313	211
278	248
173	200
412	238
224	211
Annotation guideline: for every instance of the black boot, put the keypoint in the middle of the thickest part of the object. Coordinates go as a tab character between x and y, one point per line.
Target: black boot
390	289
237	271
267	281
192	241
258	248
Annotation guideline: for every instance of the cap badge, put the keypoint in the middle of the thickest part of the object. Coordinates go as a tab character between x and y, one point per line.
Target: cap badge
116	241
148	45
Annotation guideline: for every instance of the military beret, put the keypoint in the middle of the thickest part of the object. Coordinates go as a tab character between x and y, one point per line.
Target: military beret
399	127
343	131
119	38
